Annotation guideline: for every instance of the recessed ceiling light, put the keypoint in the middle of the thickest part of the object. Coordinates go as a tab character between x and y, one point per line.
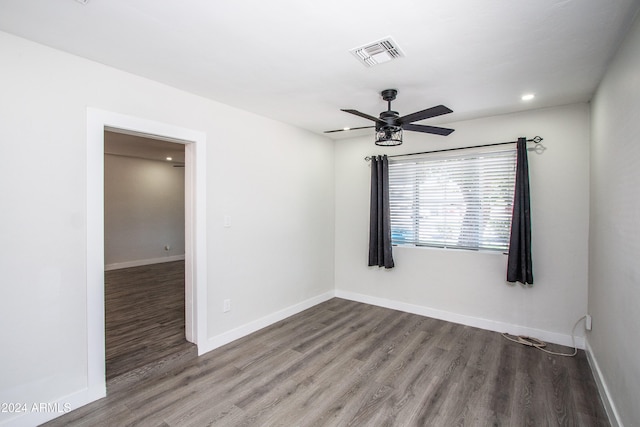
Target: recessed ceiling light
347	128
528	97
169	158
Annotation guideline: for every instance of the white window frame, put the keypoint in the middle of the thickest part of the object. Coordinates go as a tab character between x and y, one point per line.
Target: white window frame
459	199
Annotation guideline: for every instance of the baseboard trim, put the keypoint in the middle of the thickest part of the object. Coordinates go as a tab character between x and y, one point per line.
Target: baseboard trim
487	324
256	325
605	395
141	262
55	409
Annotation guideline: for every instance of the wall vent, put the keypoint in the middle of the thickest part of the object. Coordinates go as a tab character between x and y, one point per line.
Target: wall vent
378	52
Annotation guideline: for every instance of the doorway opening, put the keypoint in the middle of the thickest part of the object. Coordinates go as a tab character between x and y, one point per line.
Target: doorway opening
144	235
99	121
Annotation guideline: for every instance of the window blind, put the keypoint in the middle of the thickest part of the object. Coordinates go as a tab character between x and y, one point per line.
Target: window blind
462	200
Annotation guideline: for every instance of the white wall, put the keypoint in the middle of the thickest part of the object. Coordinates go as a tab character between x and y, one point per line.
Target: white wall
470	287
274	181
143	211
614	247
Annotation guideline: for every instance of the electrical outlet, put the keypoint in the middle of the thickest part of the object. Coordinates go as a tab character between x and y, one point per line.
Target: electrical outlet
226	305
587	322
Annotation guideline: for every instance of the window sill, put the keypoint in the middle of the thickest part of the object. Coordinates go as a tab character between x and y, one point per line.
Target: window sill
445	248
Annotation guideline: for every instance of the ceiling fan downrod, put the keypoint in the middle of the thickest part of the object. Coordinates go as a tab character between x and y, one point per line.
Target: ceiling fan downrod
389	95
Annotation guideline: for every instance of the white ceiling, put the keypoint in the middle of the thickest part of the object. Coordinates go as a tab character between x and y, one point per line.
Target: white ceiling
289	59
121	143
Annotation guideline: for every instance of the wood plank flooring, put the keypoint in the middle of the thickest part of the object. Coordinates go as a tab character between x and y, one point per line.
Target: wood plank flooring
343	363
144	316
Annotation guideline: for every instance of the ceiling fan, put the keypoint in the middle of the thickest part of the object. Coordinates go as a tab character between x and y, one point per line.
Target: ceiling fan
389	125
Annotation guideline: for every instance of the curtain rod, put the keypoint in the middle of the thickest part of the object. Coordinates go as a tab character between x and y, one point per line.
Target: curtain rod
539	148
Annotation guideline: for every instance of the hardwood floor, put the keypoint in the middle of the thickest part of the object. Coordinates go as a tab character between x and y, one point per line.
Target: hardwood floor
343	363
144	316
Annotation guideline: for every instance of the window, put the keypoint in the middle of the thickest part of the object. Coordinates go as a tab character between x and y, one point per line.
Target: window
457	200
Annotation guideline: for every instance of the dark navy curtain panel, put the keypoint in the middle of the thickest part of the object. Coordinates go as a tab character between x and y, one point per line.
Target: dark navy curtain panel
519	265
380	252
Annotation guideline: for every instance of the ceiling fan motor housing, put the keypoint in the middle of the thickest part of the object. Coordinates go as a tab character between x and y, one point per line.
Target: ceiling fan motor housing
390	118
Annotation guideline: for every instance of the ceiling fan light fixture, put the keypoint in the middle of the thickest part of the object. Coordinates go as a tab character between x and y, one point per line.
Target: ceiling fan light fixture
389	136
390	125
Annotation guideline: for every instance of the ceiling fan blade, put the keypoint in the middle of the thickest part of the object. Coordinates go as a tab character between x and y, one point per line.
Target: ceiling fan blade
427	129
425	114
365	116
348	129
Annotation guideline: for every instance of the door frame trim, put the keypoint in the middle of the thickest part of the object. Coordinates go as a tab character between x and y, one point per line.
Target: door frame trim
195	231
